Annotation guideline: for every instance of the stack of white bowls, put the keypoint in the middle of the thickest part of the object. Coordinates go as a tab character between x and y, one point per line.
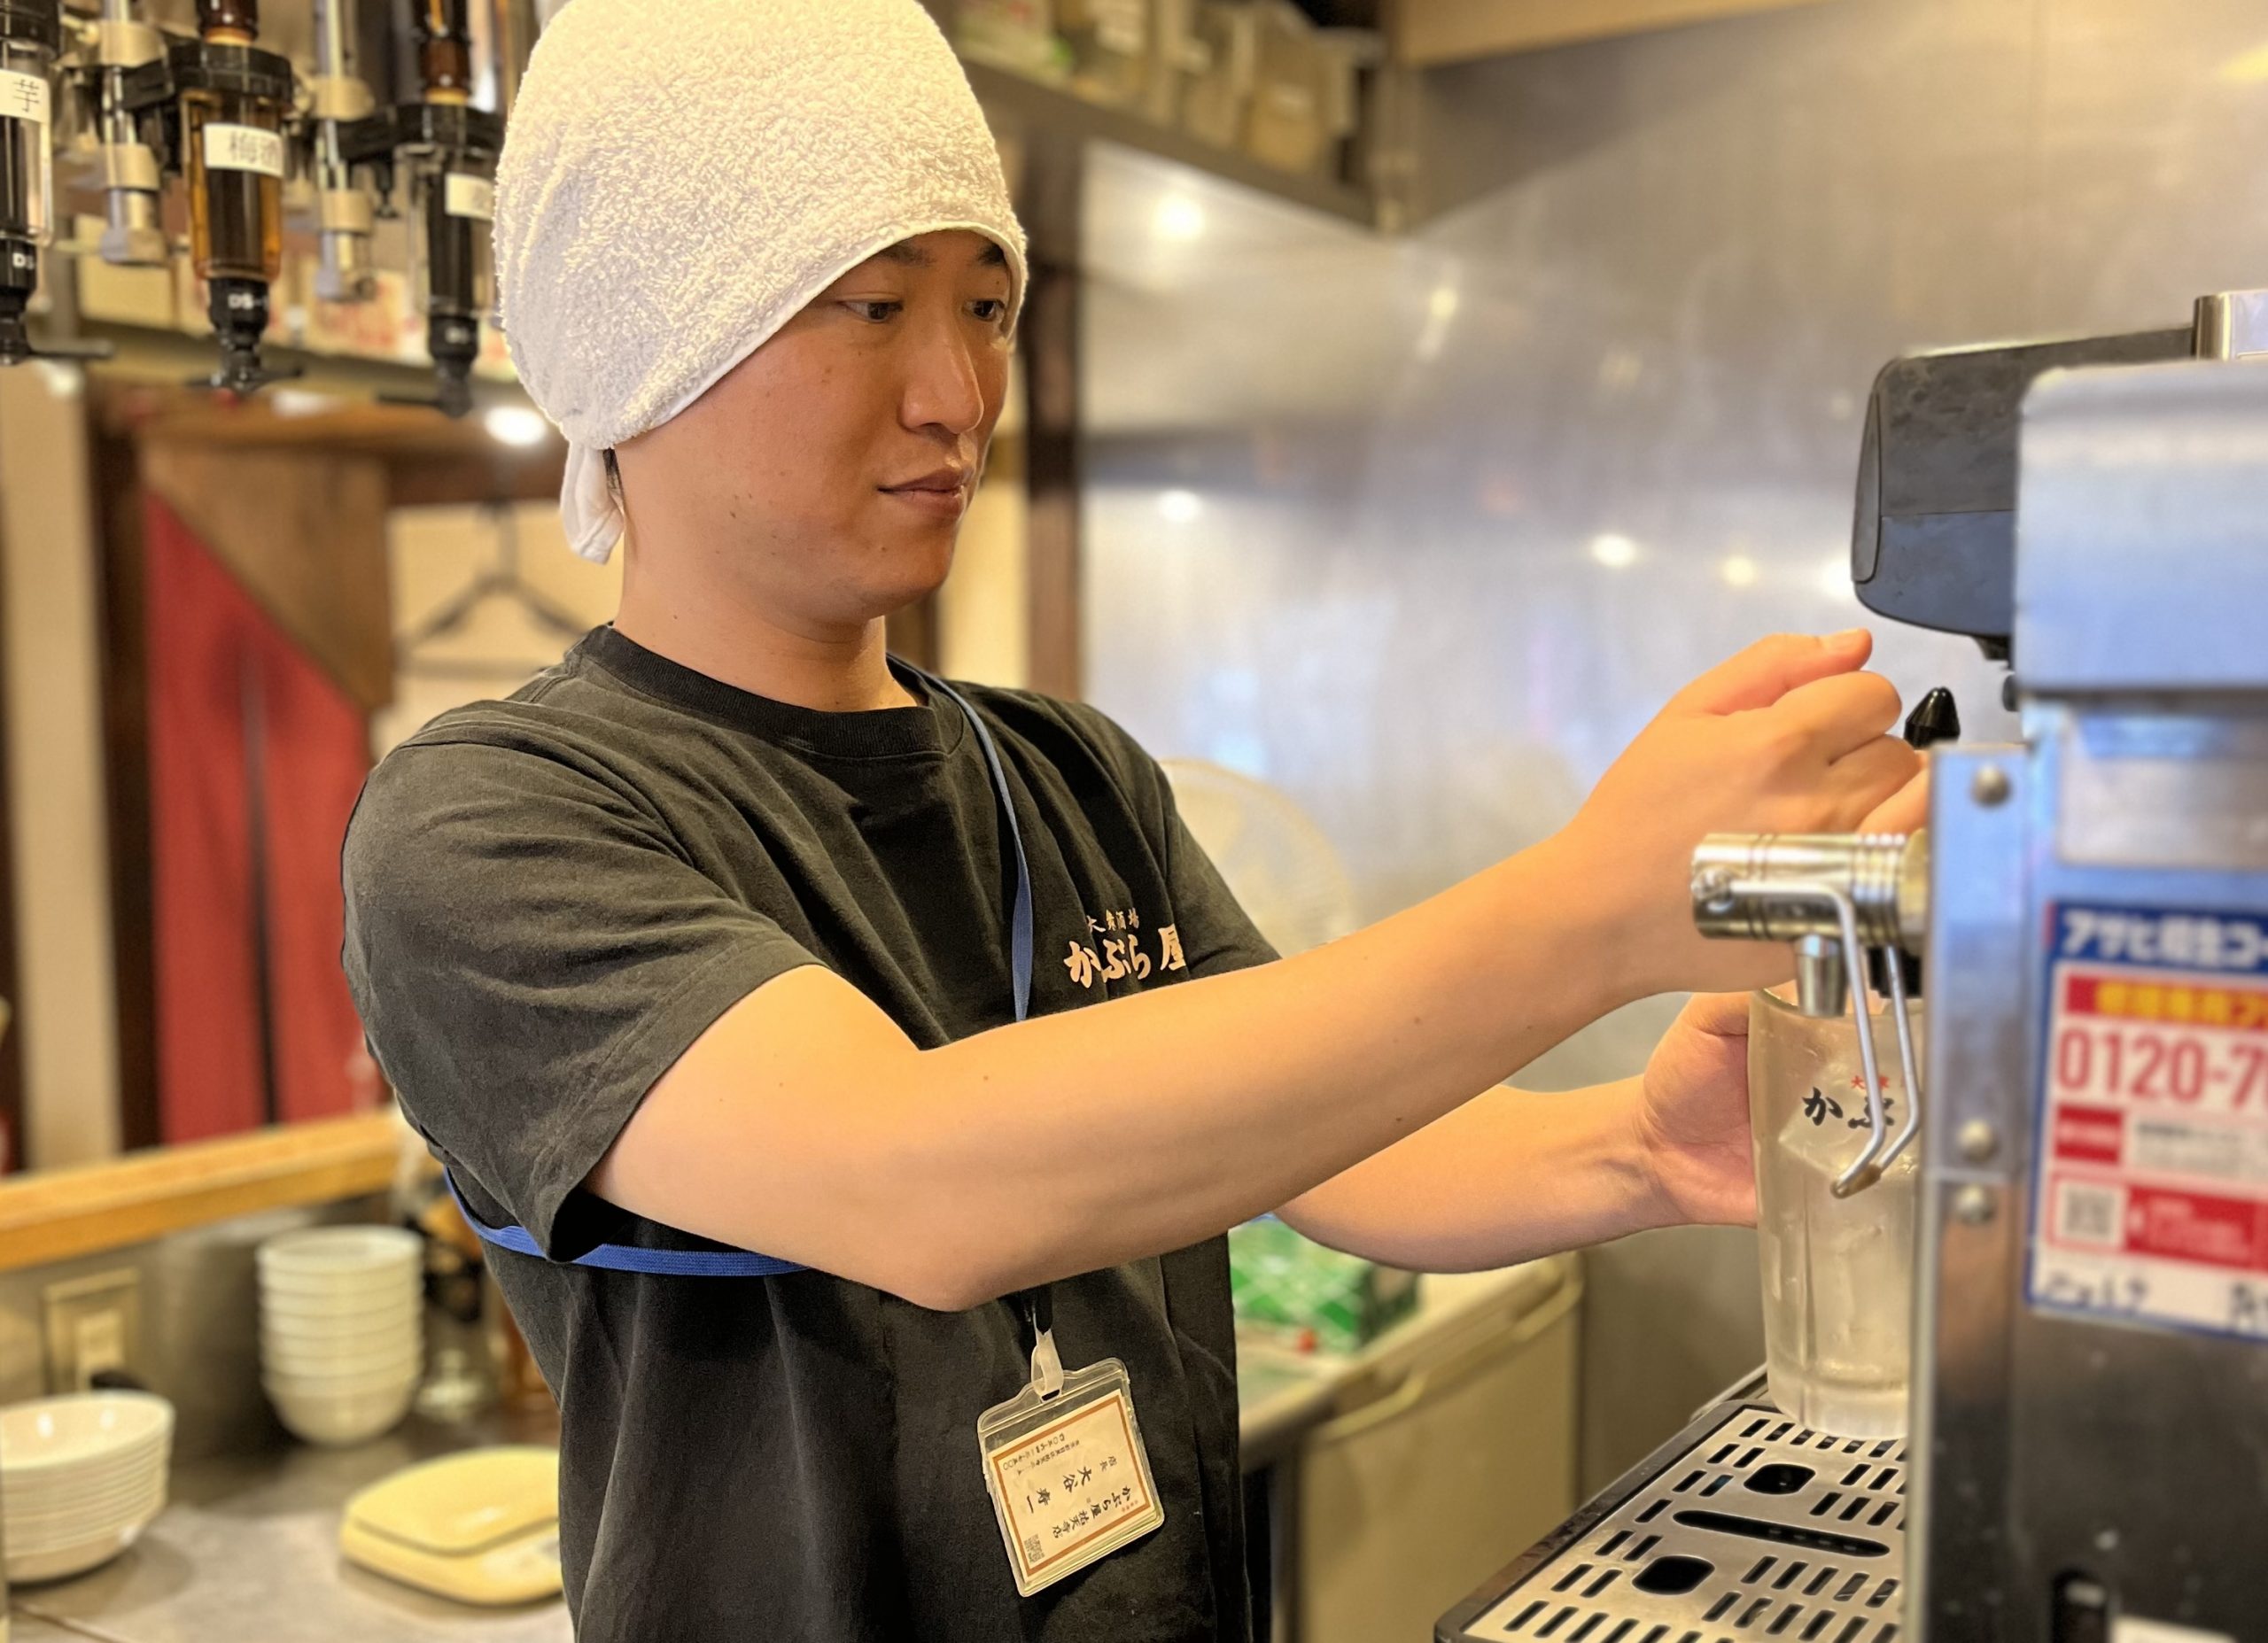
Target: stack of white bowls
341	1339
79	1477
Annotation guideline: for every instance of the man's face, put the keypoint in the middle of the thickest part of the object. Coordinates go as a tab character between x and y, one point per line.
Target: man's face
826	474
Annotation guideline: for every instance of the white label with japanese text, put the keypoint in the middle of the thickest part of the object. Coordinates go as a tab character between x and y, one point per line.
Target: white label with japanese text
466	195
23	96
243	148
2150	1195
1070	1479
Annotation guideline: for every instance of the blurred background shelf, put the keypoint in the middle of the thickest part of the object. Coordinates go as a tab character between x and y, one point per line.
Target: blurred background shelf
1027	111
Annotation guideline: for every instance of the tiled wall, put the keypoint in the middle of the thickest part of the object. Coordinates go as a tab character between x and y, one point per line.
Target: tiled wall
1423	531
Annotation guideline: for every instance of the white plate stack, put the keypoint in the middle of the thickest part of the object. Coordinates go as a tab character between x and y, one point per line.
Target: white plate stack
341	1336
79	1477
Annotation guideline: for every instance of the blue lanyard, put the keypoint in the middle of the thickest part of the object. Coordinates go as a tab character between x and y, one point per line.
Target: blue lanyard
746	1263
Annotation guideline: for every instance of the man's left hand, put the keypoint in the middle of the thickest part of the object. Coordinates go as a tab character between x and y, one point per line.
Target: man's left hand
1693	1100
1693	1113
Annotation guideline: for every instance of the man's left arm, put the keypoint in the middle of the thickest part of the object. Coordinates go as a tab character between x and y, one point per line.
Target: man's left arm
1519	1173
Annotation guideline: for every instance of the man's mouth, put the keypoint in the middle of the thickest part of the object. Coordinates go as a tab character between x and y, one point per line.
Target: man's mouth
943	491
942	479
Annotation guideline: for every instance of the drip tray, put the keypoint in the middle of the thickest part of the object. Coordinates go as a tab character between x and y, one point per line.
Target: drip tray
1762	1530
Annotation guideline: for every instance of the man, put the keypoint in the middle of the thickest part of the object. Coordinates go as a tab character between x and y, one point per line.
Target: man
720	935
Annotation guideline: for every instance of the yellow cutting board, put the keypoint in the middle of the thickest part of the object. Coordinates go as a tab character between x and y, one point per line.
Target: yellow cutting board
481	1527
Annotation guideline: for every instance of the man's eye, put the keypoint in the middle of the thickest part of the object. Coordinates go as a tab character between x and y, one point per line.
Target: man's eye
875	311
991	310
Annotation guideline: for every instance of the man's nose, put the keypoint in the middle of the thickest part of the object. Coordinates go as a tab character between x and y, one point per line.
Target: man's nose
944	389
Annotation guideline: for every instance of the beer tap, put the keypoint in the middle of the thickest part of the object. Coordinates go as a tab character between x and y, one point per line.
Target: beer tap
31	38
1855	910
1835	898
221	101
445	151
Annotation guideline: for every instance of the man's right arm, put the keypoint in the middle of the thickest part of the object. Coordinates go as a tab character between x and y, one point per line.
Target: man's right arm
804	1124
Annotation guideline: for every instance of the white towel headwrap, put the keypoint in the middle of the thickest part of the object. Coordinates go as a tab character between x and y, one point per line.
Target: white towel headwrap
678	181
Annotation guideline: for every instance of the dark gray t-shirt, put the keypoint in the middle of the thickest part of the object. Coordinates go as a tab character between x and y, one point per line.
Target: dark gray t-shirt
548	898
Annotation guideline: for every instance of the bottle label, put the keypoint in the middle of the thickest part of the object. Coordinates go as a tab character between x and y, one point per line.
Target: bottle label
243	148
23	96
465	195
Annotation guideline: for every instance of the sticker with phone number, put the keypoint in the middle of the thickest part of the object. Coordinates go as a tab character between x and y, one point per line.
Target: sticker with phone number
2150	1190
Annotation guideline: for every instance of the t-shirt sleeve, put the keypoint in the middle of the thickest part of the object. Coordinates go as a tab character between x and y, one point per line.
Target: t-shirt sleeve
531	951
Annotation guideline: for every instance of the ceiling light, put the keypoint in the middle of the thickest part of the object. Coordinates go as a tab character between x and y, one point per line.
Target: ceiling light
1179	218
2248	68
1614	551
1180	508
1835	576
1440	309
1738	570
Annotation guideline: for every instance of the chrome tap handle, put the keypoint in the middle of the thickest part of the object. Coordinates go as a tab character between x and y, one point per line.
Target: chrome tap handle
1833	896
1908	1062
1863	1171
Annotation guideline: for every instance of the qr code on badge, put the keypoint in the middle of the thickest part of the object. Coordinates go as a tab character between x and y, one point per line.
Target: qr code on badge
2088	1214
1032	1548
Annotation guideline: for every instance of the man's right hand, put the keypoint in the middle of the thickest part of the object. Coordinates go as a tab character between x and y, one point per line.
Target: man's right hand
1789	736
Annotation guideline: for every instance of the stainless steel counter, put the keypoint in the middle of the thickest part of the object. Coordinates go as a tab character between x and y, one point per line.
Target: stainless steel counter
249	1547
29	1628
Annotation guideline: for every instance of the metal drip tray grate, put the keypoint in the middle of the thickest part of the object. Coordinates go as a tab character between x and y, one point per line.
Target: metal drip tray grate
1762	1530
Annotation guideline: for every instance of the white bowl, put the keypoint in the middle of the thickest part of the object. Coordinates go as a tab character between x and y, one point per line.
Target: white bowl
78	1491
340	1251
362	1286
143	1457
57	1435
337	1385
393	1318
54	1563
344	1418
43	1534
27	1499
302	1373
327	1304
340	1276
40	1534
344	1326
382	1347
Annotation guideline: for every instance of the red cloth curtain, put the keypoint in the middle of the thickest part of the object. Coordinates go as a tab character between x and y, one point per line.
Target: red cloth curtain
255	758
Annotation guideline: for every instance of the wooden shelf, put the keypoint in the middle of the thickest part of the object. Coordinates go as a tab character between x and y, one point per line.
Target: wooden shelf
146	353
1425	34
1026	109
57	1214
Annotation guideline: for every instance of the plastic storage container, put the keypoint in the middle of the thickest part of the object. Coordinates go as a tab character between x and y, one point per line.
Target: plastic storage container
1283	126
1110	48
1223	55
1838	1273
1015	34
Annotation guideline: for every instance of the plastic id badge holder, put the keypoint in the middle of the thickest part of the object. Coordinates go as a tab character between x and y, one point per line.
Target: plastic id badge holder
1064	1463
